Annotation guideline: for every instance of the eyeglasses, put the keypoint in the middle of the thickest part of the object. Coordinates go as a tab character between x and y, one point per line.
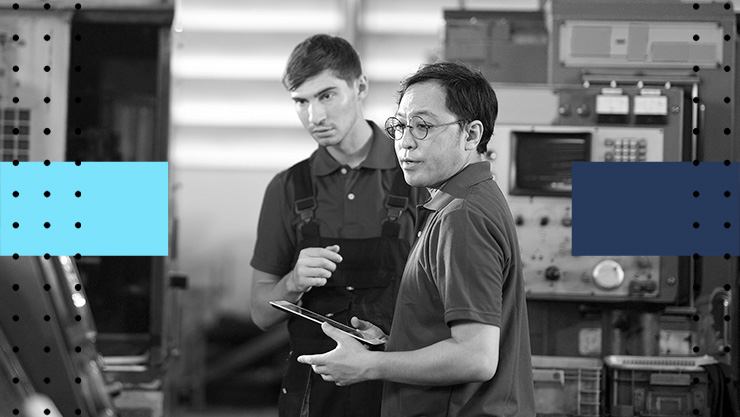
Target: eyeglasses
418	127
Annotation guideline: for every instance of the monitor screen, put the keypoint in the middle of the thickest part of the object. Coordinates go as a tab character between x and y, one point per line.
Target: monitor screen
542	162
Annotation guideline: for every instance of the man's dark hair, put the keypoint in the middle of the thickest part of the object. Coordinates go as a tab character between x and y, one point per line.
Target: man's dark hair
468	94
319	53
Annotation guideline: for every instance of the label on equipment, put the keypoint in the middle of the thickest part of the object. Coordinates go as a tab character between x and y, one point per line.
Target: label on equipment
612	104
651	105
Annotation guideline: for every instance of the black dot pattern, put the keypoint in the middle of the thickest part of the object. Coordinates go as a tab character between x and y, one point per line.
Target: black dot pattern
78	68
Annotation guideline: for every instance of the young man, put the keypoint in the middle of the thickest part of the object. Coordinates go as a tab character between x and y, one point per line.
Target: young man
459	344
335	229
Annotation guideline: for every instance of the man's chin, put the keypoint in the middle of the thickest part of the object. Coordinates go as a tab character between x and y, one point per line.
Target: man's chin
412	180
326	140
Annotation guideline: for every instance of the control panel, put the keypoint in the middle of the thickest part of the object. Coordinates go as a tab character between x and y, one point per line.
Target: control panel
532	165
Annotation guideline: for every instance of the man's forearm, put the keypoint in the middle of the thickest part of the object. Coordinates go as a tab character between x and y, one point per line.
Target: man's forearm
444	363
264	290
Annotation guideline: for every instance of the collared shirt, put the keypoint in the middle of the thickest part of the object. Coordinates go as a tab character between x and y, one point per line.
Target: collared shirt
465	266
350	204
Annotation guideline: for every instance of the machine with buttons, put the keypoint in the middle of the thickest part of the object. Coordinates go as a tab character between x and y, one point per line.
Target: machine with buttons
532	165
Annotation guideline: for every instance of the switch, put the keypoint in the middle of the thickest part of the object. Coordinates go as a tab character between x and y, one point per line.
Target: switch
552	273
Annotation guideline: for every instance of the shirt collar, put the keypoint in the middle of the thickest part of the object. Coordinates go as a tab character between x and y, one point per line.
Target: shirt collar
382	155
458	184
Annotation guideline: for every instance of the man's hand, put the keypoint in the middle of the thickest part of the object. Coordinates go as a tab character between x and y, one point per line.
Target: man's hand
313	267
369	331
346	364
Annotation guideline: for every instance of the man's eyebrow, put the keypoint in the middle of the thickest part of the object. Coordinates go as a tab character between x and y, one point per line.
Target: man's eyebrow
319	94
425	113
419	113
326	90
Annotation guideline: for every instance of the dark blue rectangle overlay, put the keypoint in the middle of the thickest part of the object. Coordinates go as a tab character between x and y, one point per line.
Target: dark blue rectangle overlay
656	208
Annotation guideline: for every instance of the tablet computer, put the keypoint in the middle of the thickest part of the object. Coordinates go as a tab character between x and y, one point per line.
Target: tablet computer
318	318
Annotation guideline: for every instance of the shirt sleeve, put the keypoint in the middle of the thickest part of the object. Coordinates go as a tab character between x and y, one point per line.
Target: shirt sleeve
469	271
276	236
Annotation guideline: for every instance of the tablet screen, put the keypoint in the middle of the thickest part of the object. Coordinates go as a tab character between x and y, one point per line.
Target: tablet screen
318	318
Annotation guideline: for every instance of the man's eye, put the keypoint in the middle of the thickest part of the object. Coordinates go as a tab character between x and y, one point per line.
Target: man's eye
327	96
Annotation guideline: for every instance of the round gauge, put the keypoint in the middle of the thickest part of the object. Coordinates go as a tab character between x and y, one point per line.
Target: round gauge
608	274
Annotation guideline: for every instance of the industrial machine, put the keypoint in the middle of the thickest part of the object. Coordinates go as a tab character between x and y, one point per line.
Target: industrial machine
49	336
89	81
612	82
532	164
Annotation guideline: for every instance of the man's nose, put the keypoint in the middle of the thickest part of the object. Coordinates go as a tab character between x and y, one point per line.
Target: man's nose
316	113
407	141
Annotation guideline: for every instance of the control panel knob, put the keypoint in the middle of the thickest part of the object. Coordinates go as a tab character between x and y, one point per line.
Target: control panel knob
519	220
552	273
649	286
544	221
583	110
608	274
644	262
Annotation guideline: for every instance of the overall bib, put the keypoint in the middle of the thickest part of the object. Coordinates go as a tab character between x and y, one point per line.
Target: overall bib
365	284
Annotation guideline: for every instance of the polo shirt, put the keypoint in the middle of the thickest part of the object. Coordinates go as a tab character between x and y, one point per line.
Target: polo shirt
350	204
464	266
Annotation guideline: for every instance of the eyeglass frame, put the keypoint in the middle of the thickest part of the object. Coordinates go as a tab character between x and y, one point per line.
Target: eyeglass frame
411	130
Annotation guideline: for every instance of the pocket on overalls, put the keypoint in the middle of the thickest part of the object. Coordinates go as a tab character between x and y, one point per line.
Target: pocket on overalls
374	297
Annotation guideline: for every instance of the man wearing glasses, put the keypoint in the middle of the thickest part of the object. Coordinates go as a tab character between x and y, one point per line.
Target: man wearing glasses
335	229
459	344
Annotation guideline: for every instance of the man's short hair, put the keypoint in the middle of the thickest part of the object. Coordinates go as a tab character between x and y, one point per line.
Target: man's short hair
468	94
319	53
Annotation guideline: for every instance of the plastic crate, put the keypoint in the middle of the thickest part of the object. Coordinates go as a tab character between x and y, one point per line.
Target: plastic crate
567	386
649	386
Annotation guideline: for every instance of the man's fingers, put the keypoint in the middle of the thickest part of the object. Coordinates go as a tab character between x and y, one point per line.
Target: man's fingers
360	324
327	378
320	369
333	248
317	282
312	360
330	252
334	333
318	271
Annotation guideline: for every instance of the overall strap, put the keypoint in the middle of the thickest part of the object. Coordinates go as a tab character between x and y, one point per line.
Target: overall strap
305	202
395	204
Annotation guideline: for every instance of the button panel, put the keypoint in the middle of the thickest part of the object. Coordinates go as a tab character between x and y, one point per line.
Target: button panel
625	149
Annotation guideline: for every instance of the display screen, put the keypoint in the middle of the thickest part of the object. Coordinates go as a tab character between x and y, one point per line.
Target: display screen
542	162
318	318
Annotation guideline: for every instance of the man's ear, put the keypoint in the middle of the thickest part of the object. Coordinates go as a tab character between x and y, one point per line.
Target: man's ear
475	133
362	86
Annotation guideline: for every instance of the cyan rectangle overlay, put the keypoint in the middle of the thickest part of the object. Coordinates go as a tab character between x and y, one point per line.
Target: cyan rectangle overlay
649	208
122	209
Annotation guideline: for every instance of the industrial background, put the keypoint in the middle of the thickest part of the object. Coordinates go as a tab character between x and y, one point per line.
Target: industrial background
196	83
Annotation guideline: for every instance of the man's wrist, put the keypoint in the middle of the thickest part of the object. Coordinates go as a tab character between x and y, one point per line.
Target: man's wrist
293	292
374	367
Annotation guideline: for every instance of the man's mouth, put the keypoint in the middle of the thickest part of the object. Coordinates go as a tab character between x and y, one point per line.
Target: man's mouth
322	131
408	163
